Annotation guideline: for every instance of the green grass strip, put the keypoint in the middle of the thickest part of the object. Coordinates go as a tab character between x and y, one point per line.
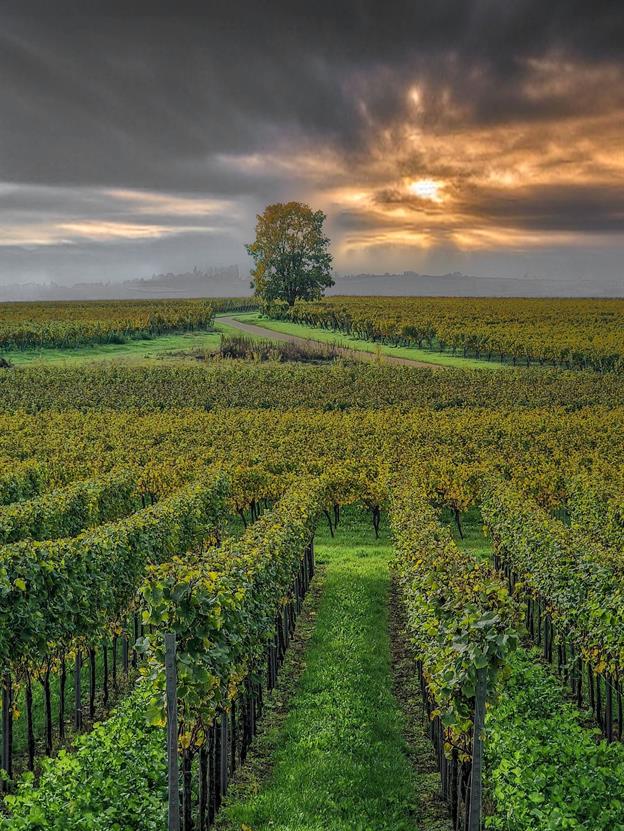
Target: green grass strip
134	350
139	350
317	333
340	759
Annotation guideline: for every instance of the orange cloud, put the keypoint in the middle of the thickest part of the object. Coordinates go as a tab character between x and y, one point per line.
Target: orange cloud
510	185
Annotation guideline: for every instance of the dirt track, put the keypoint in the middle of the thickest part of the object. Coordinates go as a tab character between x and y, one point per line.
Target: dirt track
356	354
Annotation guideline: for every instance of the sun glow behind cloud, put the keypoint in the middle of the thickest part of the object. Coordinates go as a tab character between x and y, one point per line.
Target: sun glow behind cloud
434	175
415	132
515	187
427	189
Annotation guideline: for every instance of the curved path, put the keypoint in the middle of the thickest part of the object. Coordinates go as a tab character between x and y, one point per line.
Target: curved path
356	354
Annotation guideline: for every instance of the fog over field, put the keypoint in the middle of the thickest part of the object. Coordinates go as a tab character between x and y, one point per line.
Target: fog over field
232	281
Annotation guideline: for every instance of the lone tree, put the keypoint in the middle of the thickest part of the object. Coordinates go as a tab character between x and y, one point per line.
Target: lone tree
291	254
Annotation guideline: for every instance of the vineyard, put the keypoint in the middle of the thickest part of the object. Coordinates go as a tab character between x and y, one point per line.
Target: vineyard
163	527
577	334
71	324
335	387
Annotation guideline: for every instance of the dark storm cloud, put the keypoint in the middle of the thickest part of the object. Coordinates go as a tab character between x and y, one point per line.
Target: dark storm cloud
252	102
114	96
555	208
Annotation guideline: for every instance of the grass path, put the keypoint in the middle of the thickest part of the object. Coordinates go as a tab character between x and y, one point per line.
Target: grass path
412	353
339	759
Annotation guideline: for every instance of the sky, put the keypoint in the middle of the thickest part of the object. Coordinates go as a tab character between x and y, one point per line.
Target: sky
485	136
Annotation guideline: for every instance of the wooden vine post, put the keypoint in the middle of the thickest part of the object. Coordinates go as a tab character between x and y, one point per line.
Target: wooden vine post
172	732
476	782
7	728
77	691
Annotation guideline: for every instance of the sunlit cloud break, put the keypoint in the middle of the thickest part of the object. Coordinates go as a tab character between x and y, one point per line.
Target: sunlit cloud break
144	202
59	216
427	189
67	233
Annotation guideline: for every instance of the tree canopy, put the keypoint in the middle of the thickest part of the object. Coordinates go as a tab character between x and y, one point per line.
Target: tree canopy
291	254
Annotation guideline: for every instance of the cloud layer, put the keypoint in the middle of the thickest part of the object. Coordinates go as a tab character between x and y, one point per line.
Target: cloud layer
482	132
